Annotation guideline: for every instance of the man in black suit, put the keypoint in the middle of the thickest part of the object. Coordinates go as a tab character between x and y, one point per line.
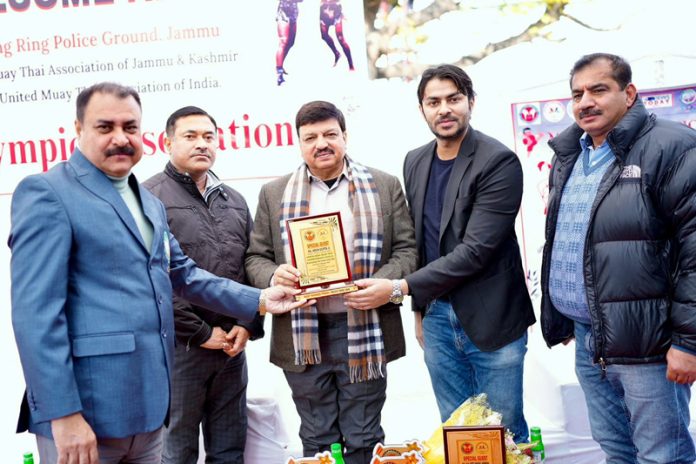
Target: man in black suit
471	304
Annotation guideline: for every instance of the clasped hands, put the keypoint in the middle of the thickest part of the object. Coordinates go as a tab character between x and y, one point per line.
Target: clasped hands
231	343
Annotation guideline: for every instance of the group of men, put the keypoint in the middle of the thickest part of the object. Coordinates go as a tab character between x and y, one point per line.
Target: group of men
95	263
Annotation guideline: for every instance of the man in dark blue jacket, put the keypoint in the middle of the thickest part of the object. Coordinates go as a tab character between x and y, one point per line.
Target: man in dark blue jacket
619	272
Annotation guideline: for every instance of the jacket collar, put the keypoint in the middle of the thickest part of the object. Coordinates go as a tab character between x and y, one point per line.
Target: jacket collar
467	148
187	182
466	151
635	123
468	145
185	179
83	166
96	181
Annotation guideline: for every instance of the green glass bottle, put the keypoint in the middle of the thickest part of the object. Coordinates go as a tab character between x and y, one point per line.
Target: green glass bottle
537	445
28	458
337	453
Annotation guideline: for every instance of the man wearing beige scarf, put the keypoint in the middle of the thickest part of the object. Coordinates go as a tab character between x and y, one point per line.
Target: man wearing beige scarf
334	357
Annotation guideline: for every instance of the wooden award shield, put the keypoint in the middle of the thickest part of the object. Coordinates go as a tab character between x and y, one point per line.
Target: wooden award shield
318	251
484	444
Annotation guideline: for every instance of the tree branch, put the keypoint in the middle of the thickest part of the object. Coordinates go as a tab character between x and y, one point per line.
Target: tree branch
552	14
402	61
585	25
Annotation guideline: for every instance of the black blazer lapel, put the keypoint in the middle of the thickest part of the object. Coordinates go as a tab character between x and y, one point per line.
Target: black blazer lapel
461	164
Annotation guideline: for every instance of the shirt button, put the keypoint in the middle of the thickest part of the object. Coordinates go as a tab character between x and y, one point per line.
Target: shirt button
164	334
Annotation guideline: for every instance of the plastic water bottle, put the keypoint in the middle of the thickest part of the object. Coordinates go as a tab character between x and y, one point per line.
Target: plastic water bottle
337	453
537	445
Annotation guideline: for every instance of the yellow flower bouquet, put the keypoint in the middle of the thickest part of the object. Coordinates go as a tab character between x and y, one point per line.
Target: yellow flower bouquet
474	412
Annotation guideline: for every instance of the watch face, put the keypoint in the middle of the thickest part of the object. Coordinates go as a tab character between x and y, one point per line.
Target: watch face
396	299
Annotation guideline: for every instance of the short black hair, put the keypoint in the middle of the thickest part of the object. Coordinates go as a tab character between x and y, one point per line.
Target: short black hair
318	111
111	88
185	112
620	69
447	71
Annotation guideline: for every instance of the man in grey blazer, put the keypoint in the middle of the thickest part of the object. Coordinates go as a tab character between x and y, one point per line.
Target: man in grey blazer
471	301
337	373
94	266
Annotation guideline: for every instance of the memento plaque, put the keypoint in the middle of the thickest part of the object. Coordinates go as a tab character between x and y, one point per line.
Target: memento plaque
318	251
474	445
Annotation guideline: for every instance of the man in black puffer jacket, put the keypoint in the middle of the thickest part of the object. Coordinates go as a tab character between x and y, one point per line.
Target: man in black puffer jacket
212	223
619	272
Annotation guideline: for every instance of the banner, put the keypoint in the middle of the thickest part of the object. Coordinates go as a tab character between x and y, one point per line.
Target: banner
219	55
534	124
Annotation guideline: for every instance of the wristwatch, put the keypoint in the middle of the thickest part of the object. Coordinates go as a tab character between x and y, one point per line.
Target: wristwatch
396	296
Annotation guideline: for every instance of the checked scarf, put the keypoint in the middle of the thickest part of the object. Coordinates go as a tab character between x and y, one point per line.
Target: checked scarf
365	343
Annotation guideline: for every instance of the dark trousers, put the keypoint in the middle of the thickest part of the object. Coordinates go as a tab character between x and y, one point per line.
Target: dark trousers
208	389
331	409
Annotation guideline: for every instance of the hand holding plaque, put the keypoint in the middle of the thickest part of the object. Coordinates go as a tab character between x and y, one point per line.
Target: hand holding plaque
318	251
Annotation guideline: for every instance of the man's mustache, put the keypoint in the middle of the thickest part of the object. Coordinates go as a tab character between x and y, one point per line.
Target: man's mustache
326	151
589	112
127	150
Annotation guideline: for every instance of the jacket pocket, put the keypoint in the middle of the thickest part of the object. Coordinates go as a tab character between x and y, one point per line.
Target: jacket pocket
103	344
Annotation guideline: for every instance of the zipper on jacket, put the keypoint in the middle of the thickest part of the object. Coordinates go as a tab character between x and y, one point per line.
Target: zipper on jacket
603	366
552	219
208	200
598	334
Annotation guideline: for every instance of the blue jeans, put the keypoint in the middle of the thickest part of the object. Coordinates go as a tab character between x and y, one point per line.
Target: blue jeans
459	370
636	414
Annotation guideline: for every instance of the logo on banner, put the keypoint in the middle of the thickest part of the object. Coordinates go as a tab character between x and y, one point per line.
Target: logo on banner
658	101
569	108
529	113
553	111
688	96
